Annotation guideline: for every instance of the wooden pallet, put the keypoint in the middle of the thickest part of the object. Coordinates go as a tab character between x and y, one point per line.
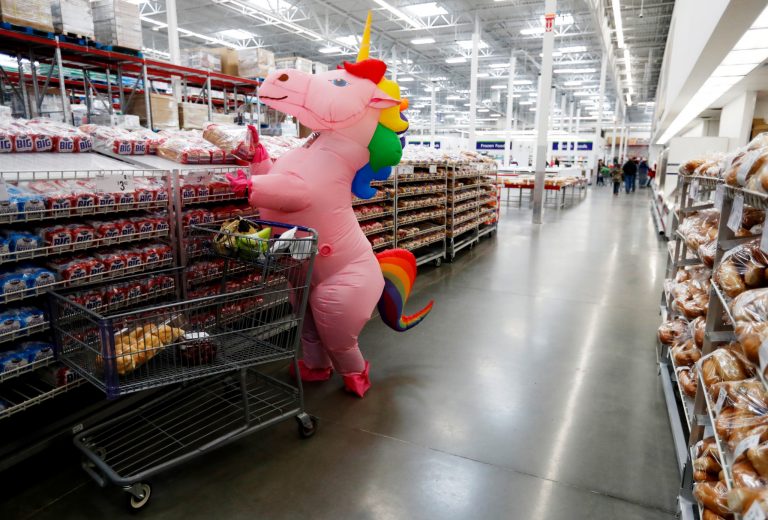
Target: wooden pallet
40	30
117	48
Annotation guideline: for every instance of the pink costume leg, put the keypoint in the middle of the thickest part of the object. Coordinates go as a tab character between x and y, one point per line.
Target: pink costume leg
315	365
341	306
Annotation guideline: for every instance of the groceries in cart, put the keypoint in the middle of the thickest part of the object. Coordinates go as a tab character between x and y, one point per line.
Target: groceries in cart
137	345
241	237
41	135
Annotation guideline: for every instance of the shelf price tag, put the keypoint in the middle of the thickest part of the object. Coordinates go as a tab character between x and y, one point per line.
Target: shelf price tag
762	354
719	193
737	212
764	240
753	441
694	191
202	177
115	183
755	512
4	196
432	168
406	169
720	401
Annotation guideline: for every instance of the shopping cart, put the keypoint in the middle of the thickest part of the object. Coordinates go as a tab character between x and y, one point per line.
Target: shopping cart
208	347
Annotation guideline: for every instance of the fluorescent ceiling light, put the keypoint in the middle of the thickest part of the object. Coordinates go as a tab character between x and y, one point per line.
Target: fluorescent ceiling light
532	31
522	82
525	103
498	87
482	75
404	79
463	91
495	115
349	40
437	78
269	5
466	104
499	65
575	71
405	61
572	83
453	97
397	12
584	94
185	32
329	49
617	23
456	59
575	48
555	54
236	34
467	44
483	110
629	100
425	10
422	41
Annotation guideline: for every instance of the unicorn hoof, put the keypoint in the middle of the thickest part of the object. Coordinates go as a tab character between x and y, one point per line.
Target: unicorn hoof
359	383
310	375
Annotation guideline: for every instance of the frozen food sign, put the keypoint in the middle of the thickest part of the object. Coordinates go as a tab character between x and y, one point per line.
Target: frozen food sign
491	145
566	146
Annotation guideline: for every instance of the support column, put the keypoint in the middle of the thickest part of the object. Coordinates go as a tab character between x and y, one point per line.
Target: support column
147	93
576	134
395	65
597	144
433	116
542	114
63	85
510	107
473	86
571	108
613	137
173	44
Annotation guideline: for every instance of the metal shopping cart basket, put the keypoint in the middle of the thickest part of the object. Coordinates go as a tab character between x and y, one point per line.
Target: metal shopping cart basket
209	348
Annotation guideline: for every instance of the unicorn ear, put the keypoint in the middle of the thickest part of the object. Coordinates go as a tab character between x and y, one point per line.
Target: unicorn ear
381	99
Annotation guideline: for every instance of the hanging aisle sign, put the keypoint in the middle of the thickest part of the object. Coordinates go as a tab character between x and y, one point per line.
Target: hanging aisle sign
549	20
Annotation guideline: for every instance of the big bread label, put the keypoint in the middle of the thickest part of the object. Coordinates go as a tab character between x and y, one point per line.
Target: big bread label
6	145
65	145
134	292
23	143
162	226
43	143
93	301
124	148
753	441
139	148
84	145
755	512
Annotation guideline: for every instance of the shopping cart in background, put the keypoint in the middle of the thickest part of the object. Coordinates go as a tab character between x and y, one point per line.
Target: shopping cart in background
208	348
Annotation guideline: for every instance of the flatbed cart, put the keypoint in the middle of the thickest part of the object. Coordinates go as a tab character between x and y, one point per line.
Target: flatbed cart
209	348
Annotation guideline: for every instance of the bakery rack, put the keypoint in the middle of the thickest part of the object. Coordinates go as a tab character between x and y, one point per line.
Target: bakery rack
692	423
472	204
41	388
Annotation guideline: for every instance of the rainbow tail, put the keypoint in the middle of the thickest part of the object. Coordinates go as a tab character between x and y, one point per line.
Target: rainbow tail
399	269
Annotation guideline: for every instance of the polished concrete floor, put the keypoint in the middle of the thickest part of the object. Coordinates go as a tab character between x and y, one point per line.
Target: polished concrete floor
529	393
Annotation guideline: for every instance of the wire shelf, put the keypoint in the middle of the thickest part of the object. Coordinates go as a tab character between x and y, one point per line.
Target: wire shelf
27	392
369	216
411	246
416	205
12	335
436	189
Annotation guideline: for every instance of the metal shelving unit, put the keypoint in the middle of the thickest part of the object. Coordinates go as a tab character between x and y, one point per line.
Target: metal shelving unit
472	191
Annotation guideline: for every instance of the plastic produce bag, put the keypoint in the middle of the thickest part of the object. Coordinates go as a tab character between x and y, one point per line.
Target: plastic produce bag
750	310
240	141
743	267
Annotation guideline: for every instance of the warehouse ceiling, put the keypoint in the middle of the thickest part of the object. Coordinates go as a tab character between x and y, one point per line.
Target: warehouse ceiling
508	27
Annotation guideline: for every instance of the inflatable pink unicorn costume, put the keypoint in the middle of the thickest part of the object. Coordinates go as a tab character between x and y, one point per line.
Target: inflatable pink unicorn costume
311	186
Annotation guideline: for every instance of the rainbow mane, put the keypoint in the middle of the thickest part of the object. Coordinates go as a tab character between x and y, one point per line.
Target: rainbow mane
385	147
399	269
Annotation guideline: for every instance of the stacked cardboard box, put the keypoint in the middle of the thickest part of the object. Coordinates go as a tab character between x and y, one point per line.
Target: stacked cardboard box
29	13
319	68
73	16
193	115
165	111
197	59
117	22
255	63
294	62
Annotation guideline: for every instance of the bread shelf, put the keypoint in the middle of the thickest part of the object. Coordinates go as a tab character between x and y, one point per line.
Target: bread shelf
378	198
431	191
23	332
26	392
423	232
369	216
378	230
437	202
407	219
411	246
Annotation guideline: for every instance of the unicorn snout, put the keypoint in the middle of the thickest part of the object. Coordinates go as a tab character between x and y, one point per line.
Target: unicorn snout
283	77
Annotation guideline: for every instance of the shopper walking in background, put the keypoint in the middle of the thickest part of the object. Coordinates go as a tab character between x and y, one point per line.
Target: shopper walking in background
642	173
630	171
600	181
616	177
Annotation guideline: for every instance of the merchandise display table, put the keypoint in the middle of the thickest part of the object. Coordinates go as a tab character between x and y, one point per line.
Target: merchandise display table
552	185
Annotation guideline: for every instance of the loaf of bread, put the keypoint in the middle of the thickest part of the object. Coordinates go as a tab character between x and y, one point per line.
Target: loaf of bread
673	331
698	327
688	381
711	515
713	496
740	500
685	353
135	347
759	458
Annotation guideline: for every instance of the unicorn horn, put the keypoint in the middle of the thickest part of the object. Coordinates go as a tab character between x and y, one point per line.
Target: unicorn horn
365	44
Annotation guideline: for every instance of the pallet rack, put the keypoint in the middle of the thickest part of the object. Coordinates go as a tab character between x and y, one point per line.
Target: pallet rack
108	76
693	420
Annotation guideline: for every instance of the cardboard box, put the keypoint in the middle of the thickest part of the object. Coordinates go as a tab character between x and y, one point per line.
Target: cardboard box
294	62
73	17
759	126
28	13
198	59
192	115
228	119
117	22
228	59
255	63
319	68
165	111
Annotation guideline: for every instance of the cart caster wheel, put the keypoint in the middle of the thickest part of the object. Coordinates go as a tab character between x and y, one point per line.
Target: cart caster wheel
305	432
101	453
438	262
138	496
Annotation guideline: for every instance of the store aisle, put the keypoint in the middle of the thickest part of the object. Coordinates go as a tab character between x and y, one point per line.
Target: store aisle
529	393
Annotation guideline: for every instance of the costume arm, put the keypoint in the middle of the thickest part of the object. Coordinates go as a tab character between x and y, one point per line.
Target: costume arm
284	192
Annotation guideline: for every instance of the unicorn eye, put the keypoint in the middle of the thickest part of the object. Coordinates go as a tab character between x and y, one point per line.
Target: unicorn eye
340	82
